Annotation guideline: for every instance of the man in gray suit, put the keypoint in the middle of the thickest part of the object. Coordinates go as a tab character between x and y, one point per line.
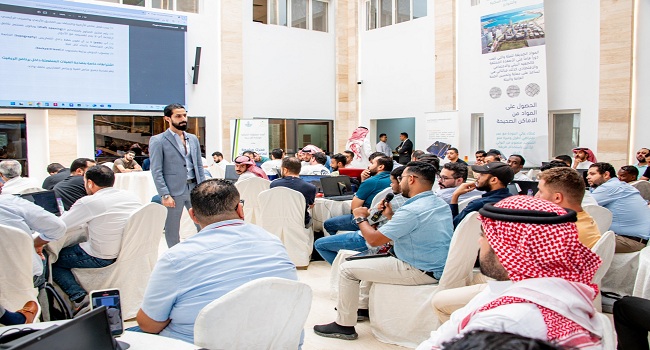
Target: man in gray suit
169	151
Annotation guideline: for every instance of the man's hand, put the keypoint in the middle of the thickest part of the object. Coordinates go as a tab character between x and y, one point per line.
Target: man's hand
169	202
39	251
388	209
365	175
461	190
361	212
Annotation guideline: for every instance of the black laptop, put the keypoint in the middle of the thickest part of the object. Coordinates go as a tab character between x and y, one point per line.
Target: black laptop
231	174
44	199
314	180
337	188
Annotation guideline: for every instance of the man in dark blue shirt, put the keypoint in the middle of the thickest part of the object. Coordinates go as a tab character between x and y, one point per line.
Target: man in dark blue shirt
290	170
493	178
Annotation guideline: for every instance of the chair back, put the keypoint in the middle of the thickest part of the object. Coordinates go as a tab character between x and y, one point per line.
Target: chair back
463	251
380	196
249	189
266	313
643	187
16	277
601	215
282	212
462	204
605	249
143	231
217	172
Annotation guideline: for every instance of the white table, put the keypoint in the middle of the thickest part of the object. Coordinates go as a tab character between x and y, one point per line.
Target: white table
138	341
324	209
642	283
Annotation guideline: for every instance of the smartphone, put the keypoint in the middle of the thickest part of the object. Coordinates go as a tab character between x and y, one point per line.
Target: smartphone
111	299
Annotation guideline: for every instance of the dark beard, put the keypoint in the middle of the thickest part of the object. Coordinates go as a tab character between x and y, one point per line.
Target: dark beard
484	188
181	127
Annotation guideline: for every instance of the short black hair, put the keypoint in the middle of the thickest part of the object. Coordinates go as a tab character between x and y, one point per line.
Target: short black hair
350	153
381	135
554	164
494	154
497	340
339	158
495	151
630	169
277	153
54	167
453	149
214	197
425	171
565	158
397	172
320	158
292	164
481	152
521	159
405	134
80	163
432	159
387	162
374	155
248	152
459	169
603	167
101	175
417	153
169	109
218	154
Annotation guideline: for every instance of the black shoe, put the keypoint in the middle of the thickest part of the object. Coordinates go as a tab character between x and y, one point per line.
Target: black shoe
333	330
363	315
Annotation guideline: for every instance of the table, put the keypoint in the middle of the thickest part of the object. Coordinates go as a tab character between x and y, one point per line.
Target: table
135	339
642	283
325	208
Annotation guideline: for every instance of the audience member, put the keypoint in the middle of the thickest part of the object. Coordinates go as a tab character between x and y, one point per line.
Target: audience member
272	166
587	199
72	188
329	246
417	154
103	214
23	316
338	161
452	155
484	340
642	164
225	254
564	158
217	157
421	231
631	214
290	170
10	171
584	158
365	174
349	156
316	165
554	164
480	157
628	173
256	157
493	178
404	149
453	175
126	164
380	168
565	187
516	162
543	275
383	147
57	174
245	167
492	156
632	323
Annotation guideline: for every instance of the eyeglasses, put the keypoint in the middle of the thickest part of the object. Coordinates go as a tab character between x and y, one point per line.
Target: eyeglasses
241	201
445	178
399	178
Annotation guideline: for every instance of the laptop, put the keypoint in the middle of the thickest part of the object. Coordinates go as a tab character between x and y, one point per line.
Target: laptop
314	180
44	199
354	173
337	188
231	174
89	331
524	186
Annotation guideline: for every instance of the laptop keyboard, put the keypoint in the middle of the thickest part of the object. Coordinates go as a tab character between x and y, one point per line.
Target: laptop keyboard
346	197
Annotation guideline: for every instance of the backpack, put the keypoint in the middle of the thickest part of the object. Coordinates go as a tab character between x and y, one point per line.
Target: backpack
54	306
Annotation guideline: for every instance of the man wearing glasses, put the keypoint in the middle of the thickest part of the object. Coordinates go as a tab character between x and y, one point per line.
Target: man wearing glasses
453	175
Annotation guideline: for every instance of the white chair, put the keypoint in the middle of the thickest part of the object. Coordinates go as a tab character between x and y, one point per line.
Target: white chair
462	204
217	172
601	215
605	250
108	164
16	279
403	315
138	255
266	313
621	275
380	196
282	212
643	187
249	189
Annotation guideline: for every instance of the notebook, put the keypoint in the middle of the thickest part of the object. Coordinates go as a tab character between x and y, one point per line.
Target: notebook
44	199
337	188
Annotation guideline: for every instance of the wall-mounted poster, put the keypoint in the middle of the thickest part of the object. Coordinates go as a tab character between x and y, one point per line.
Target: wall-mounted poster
249	135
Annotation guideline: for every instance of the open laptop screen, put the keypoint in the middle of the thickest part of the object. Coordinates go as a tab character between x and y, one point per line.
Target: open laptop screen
44	199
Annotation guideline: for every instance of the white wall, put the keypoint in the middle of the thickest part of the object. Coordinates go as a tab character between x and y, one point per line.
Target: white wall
288	72
642	106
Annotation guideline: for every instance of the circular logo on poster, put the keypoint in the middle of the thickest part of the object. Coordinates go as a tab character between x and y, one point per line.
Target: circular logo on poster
532	89
495	92
513	91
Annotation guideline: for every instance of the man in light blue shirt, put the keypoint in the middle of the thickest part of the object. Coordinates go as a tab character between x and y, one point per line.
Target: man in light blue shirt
225	254
383	147
421	232
631	215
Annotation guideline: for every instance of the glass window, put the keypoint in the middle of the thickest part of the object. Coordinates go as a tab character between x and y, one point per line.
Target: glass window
419	8
260	11
371	14
292	135
403	11
278	12
299	14
187	6
565	132
13	140
478	138
162	4
386	14
319	16
133	2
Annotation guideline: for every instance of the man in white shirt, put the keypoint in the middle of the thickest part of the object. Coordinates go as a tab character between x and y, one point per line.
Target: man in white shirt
316	165
584	158
10	171
453	175
383	147
103	213
245	167
217	157
516	162
270	166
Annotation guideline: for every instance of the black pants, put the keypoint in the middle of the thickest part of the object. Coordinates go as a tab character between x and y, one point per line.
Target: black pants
632	323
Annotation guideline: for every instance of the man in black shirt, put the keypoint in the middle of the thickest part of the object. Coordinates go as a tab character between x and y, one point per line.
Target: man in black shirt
290	170
57	173
72	187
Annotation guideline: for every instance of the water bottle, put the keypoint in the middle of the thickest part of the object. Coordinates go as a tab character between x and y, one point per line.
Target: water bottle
59	203
530	192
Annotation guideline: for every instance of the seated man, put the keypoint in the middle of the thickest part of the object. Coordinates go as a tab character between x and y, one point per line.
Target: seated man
256	157
246	168
379	169
584	158
631	214
217	157
225	254
628	173
22	316
453	175
452	156
126	164
290	169
566	159
349	157
57	174
516	162
543	275
103	213
493	177
275	163
338	161
72	188
421	231
316	165
632	322
10	171
329	246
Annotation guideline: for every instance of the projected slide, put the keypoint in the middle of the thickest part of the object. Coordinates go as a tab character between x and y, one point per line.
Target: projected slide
59	54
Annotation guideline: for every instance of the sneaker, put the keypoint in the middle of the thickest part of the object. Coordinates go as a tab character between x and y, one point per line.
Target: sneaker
363	315
29	311
333	330
81	307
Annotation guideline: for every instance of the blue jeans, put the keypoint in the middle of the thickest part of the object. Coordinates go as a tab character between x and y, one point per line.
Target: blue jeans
329	246
340	223
74	257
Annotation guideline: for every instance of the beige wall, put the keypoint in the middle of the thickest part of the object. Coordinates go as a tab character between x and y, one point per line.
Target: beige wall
445	44
347	96
232	72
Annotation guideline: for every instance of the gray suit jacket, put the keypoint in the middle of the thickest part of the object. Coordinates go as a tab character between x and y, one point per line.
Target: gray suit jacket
168	163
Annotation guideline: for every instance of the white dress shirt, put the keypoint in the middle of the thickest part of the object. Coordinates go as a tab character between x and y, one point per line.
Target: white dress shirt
521	177
104	214
29	217
269	166
317	169
384	148
246	175
18	184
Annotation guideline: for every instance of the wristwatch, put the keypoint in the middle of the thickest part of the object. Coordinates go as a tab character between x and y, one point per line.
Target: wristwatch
360	219
166	196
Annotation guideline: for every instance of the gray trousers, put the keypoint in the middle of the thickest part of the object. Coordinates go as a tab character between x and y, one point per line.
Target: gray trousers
173	221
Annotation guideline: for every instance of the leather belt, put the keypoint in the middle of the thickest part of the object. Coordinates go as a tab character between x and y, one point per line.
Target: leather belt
191	181
636	239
